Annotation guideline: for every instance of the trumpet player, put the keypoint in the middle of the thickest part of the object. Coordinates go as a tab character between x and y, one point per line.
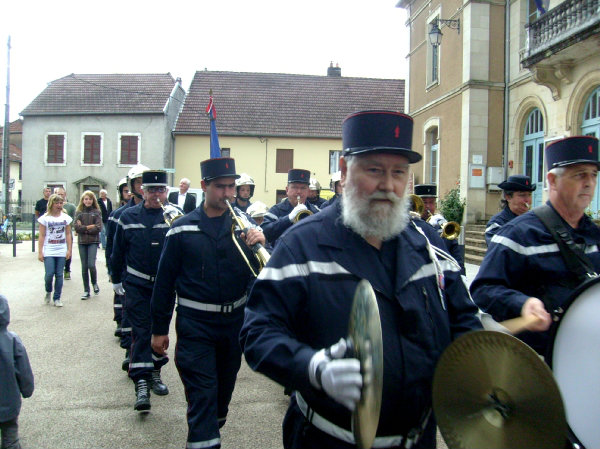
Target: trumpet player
202	263
428	193
284	214
138	242
516	200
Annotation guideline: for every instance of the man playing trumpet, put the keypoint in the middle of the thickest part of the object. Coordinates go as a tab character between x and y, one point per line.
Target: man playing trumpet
516	200
202	264
284	214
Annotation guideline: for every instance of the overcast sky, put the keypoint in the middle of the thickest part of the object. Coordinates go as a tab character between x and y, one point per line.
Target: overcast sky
51	39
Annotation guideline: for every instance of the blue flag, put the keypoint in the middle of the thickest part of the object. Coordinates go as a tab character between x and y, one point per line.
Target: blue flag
215	149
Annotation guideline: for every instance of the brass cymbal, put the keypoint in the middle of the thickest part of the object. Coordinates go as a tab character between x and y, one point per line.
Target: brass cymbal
367	344
492	390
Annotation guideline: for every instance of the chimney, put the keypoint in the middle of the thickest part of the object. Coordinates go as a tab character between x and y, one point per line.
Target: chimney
334	71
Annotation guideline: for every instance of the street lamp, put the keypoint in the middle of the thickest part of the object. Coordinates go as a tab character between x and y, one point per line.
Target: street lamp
435	34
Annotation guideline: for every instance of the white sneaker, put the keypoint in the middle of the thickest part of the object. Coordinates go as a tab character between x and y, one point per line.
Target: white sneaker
47	297
58	303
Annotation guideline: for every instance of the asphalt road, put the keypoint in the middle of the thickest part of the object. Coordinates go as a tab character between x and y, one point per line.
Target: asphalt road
83	399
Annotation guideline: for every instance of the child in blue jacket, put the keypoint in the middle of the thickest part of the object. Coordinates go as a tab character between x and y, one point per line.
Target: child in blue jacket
16	379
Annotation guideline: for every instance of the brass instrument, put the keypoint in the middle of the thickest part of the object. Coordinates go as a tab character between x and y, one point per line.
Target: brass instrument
450	230
260	253
417	207
303	213
170	212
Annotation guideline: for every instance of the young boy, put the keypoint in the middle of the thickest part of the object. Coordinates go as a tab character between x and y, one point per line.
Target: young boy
16	379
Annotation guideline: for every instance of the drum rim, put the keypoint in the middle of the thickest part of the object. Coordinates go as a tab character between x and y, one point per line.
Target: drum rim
558	319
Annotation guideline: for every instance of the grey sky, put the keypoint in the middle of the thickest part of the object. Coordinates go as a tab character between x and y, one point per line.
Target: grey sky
51	39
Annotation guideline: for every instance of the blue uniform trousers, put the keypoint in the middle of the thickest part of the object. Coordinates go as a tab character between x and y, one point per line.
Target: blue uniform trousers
143	360
298	433
208	357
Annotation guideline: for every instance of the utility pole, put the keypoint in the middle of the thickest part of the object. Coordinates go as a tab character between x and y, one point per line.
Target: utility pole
6	135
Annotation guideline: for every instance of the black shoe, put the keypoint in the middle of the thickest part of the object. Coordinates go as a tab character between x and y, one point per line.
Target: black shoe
67	275
118	330
158	387
96	289
86	295
142	402
125	363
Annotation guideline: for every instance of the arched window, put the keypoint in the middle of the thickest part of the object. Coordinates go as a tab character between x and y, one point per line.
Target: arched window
590	126
533	152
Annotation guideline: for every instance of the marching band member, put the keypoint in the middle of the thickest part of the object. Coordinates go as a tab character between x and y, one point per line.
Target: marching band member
203	265
525	271
284	214
336	186
516	200
138	243
134	195
244	190
428	193
257	211
300	303
314	192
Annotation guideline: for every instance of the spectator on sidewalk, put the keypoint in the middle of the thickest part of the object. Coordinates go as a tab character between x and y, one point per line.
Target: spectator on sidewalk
69	208
42	204
106	208
88	223
54	246
16	379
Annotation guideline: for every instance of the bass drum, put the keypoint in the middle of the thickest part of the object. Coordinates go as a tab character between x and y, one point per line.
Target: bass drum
575	361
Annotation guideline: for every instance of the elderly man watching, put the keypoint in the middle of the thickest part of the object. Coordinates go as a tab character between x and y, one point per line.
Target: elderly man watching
183	199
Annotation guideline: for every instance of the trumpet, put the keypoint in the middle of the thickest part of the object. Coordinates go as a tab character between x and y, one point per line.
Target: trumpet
170	212
303	213
450	230
260	253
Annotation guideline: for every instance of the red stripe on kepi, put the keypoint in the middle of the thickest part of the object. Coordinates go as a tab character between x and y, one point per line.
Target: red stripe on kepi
226	165
397	131
590	149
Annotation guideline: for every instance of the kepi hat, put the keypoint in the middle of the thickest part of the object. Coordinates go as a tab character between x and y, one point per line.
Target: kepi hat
426	190
218	167
154	178
299	175
572	150
518	183
379	131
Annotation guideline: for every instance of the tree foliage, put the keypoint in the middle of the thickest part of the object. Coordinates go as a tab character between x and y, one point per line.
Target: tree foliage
452	206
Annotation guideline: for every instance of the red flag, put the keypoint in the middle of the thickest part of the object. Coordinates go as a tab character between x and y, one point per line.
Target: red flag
210	109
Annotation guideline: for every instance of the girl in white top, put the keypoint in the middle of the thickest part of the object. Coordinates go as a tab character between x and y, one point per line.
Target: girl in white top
55	243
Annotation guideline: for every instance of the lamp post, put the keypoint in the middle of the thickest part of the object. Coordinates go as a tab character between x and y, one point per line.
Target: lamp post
435	34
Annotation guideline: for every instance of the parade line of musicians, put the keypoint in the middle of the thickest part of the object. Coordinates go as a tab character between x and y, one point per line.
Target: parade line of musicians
291	321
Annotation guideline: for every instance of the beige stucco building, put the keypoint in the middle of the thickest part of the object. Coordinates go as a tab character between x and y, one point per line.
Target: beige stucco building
484	111
272	122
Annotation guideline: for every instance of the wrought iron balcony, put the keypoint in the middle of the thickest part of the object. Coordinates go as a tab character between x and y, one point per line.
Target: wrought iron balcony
567	24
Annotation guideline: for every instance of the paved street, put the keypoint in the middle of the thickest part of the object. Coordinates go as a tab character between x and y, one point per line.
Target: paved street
82	399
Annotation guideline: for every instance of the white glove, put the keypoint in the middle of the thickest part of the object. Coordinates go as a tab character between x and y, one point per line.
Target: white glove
118	288
339	378
295	211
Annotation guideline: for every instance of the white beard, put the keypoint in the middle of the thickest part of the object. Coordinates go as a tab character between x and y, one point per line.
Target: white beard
376	220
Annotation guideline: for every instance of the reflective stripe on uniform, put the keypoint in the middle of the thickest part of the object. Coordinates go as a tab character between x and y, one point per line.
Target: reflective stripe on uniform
132	225
227	307
525	250
345	435
202	444
184	228
141	365
492	227
140	274
305	269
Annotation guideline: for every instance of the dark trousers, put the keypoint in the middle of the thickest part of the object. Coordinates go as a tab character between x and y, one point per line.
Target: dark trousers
298	433
87	254
10	434
208	357
68	264
120	316
143	360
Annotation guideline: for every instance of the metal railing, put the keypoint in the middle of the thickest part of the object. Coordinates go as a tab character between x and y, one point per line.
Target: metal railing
559	25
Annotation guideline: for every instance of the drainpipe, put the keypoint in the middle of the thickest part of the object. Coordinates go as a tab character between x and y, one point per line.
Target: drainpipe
506	89
266	141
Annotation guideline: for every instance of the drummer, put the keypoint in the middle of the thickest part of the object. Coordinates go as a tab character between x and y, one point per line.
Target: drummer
298	312
524	273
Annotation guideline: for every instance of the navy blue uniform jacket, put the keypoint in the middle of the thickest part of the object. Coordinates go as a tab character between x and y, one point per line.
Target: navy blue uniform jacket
111	228
200	265
138	242
523	260
496	222
301	303
277	221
